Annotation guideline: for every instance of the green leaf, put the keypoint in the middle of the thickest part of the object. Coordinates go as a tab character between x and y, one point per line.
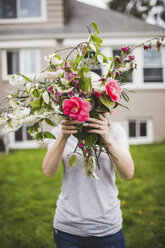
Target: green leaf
82	83
91	140
107	102
36	103
85	69
49	122
94	114
49	135
87	84
111	65
38	136
125	96
73	64
104	58
30	129
95	27
96	39
123	105
28	79
58	56
102	108
36	93
72	160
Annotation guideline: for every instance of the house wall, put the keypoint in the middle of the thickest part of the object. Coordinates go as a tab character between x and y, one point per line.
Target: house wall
53	17
145	104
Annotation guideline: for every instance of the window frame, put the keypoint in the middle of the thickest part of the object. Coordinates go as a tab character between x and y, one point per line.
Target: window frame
5	75
149	138
24	144
154	66
16	20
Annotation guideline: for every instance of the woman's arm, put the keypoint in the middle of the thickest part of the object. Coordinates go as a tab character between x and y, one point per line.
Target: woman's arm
53	156
124	162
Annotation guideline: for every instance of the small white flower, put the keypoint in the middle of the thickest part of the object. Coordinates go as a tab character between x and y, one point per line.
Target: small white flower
52	59
64	81
13	126
53	74
17	81
67	90
57	109
19	113
31	119
13	104
43	113
99	88
57	118
125	68
3	118
44	141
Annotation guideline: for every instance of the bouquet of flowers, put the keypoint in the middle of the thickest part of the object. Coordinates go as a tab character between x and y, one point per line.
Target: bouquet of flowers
66	89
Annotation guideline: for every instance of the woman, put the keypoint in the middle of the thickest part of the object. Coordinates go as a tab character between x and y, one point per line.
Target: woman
88	213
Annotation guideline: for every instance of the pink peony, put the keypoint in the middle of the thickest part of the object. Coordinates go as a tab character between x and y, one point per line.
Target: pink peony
113	90
76	108
125	49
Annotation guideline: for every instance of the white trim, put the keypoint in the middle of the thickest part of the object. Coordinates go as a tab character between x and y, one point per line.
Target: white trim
28	43
141	140
21	144
113	41
18	20
5	76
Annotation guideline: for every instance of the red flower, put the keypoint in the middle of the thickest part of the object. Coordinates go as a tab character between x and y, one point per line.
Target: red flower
113	89
125	49
132	57
76	108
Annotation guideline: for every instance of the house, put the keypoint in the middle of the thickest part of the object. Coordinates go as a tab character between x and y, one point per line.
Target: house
29	30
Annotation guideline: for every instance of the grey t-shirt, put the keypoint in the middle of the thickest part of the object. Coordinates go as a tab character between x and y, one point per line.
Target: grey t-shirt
89	206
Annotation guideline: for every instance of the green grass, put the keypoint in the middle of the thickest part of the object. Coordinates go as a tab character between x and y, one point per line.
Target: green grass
28	199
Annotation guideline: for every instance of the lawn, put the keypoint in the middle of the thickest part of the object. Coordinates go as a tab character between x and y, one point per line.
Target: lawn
28	199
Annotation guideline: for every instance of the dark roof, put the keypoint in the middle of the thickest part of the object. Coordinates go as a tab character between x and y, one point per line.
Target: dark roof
78	16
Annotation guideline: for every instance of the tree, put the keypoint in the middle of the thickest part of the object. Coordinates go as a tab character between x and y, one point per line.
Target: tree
152	11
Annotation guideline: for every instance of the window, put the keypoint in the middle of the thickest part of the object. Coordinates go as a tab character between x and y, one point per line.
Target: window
22	134
137	128
140	131
23	61
127	75
153	71
21	9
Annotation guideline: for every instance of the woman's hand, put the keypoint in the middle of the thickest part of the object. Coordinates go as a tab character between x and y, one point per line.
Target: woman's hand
100	126
69	127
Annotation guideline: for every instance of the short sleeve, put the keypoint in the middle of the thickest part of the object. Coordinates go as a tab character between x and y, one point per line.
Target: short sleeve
120	135
56	132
